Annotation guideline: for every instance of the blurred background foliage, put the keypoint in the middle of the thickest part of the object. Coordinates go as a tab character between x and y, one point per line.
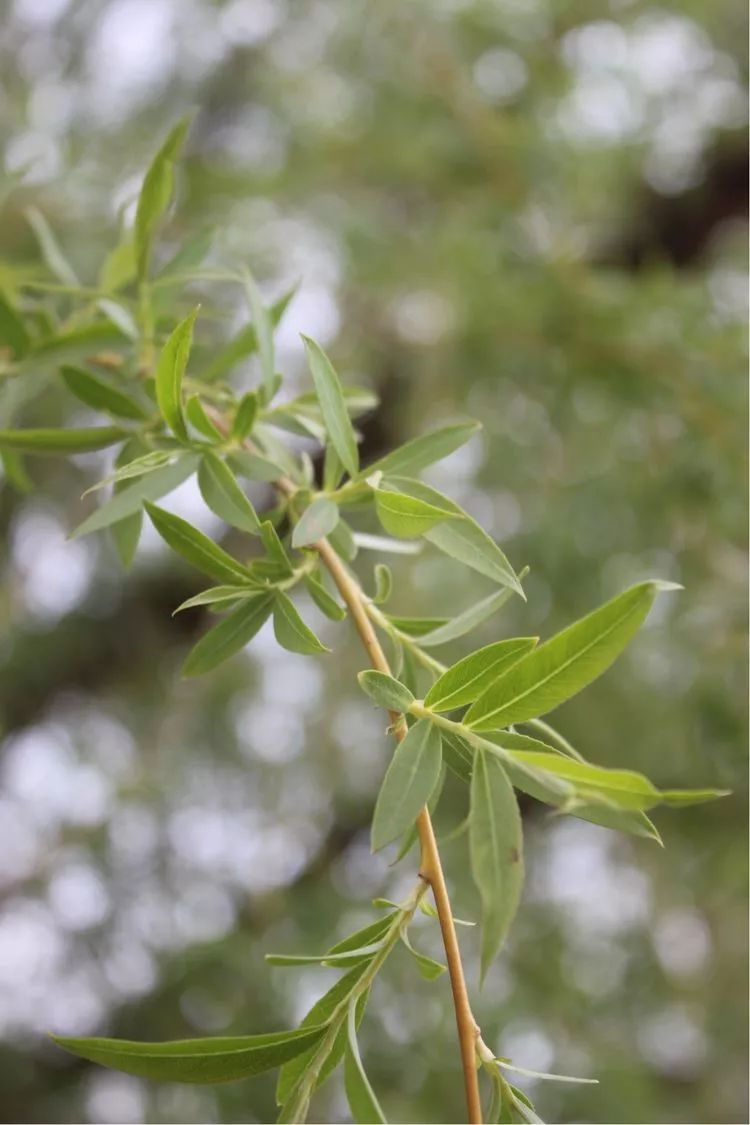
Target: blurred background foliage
527	211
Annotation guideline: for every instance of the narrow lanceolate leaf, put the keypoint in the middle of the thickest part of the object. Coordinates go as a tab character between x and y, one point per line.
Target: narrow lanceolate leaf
385	691
320	1013
316	522
196	547
224	496
53	256
290	630
496	851
156	194
253	467
466	680
229	636
263	330
135	466
462	538
466	621
366	936
359	1093
422	451
13	332
565	664
275	548
406	517
202	1061
245	415
332	406
169	374
101	395
61	441
197	417
383	584
625	789
325	602
428	968
336	960
245	343
218	595
412	775
150	486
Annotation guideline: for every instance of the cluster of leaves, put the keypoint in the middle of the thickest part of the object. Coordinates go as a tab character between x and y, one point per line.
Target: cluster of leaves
172	418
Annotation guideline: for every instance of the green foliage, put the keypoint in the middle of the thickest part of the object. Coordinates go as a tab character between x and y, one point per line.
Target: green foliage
502	683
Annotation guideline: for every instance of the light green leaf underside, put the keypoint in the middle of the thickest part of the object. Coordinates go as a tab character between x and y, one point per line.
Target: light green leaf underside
360	1094
332	406
496	851
317	521
151	486
412	775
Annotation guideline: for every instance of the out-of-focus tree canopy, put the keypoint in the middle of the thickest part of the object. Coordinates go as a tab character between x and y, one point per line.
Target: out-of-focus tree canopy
531	212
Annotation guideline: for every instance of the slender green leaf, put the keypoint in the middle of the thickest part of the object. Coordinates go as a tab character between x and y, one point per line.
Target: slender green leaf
245	415
385	691
325	602
428	968
343	542
224	496
156	194
467	680
118	268
53	256
359	1093
196	547
316	522
61	441
496	851
408	784
406	517
383	584
150	486
466	621
204	1061
13	333
229	636
462	538
217	595
333	406
321	1013
101	395
253	467
169	372
290	630
275	548
338	960
333	469
416	626
244	344
373	932
624	788
543	1074
120	317
565	664
196	415
263	330
15	471
422	451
